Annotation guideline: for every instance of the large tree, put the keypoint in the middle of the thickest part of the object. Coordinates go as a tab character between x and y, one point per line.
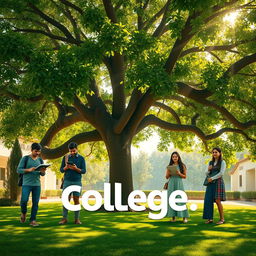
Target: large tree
117	67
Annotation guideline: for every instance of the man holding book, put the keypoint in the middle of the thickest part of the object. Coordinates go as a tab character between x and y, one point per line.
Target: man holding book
30	168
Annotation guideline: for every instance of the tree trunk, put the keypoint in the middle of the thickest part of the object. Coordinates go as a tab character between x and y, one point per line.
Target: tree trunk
12	165
119	152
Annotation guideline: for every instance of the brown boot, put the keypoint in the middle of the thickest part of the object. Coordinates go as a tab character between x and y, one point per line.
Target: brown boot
63	221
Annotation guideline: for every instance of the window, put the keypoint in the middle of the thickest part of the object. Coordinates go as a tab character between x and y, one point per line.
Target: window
240	181
2	174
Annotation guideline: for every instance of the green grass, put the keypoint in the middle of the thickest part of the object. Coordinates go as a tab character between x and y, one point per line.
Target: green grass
130	233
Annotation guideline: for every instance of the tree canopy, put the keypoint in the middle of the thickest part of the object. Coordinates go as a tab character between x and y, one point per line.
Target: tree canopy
106	70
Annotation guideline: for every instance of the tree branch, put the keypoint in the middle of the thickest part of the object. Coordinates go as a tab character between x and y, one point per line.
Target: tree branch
61	123
110	10
73	6
201	95
153	120
14	96
168	109
81	138
70	17
143	106
52	36
55	23
116	68
240	64
187	34
161	26
124	119
146	25
180	43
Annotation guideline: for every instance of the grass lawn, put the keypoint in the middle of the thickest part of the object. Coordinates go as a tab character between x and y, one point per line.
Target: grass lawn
117	233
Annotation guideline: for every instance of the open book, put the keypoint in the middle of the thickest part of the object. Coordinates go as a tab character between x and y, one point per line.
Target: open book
41	166
173	169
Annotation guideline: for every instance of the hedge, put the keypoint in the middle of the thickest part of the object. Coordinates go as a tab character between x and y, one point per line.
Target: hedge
248	195
231	195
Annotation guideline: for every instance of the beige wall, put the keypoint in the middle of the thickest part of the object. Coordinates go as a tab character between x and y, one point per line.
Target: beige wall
250	180
235	182
3	164
247	170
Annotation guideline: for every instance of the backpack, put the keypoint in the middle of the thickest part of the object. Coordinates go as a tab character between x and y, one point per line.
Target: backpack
20	179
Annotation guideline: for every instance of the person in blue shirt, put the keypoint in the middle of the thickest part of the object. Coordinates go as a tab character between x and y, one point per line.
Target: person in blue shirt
73	166
31	182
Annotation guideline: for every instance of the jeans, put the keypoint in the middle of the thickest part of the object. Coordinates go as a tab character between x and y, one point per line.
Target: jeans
66	184
36	191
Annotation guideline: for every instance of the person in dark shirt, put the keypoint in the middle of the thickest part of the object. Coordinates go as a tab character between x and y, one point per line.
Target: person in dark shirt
73	166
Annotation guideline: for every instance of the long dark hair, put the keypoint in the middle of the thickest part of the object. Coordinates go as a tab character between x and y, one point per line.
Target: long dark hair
181	165
220	157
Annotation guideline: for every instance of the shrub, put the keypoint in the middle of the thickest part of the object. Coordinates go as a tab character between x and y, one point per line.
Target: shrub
248	195
8	202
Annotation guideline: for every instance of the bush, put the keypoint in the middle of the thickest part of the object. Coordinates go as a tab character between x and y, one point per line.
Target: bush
248	195
2	192
195	195
8	202
51	193
232	195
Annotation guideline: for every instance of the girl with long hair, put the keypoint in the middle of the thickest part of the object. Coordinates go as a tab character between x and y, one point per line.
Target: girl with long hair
175	183
215	190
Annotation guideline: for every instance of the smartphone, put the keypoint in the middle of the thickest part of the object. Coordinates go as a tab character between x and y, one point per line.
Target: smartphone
70	163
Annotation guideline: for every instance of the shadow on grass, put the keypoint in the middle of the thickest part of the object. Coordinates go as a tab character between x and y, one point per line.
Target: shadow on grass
127	233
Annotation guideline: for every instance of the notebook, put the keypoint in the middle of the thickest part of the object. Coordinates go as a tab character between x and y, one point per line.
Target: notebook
173	169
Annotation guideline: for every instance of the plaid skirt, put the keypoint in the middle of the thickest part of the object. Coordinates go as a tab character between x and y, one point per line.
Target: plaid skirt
220	190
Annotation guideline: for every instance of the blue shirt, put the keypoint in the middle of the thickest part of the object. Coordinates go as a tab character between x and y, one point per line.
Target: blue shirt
30	178
70	174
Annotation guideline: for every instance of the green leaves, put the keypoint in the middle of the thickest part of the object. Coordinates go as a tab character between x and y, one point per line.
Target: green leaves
148	72
14	46
192	5
215	79
19	119
176	23
59	74
93	18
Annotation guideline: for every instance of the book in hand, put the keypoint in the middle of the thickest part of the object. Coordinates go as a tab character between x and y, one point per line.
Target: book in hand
173	169
41	166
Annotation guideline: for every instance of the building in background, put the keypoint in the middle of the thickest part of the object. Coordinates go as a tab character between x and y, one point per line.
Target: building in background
243	176
48	182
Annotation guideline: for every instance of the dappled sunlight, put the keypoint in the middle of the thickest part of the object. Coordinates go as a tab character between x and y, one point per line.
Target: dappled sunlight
113	233
213	233
207	247
118	252
70	238
146	242
165	234
132	226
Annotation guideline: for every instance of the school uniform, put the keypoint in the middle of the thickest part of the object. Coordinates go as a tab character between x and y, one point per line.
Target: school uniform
215	189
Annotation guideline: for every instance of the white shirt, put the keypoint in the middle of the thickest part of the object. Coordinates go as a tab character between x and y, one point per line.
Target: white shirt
222	170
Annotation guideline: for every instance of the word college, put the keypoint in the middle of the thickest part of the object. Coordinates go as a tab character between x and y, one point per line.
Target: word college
132	200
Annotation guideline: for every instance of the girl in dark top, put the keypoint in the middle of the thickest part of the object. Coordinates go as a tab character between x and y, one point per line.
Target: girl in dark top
215	190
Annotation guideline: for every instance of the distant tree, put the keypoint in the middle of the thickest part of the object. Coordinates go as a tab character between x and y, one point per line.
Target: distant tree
141	170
